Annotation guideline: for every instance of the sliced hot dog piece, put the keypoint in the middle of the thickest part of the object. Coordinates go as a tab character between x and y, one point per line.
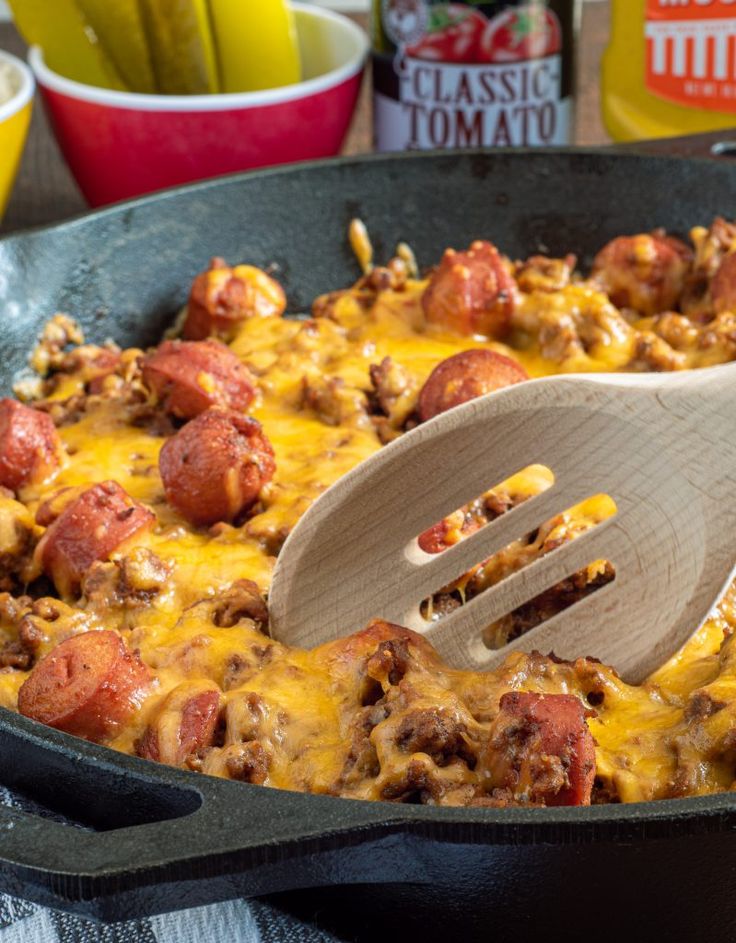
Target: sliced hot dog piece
30	447
215	466
723	285
88	685
184	724
541	749
471	292
436	538
91	526
189	377
465	376
223	297
449	530
646	272
382	651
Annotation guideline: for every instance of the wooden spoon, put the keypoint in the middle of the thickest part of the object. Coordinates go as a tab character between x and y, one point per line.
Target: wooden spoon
663	447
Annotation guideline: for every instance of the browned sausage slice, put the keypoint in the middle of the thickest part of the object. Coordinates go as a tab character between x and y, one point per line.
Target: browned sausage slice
541	749
465	376
723	285
184	725
449	530
646	272
88	685
90	527
435	539
30	447
189	377
471	292
223	297
214	467
381	652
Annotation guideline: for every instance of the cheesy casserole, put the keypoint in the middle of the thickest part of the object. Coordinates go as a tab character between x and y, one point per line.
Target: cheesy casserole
144	497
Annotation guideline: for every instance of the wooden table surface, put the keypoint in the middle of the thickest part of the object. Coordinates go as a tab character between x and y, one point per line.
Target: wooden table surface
46	192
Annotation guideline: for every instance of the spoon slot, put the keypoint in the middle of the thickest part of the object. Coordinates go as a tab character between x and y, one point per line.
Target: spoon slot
557	598
483	510
501	606
519	554
429	573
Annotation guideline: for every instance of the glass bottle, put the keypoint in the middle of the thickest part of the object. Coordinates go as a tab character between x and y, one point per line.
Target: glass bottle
463	74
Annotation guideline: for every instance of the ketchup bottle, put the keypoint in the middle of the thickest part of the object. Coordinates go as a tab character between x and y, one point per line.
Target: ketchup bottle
480	74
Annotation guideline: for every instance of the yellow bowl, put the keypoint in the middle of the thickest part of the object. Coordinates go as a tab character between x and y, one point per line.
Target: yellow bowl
15	116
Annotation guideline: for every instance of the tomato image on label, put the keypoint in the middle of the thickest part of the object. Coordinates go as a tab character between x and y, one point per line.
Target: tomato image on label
527	32
453	35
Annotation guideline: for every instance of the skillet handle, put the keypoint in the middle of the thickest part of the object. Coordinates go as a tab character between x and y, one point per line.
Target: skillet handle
168	839
716	145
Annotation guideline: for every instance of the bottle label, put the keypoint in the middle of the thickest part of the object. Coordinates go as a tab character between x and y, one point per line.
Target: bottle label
472	75
691	52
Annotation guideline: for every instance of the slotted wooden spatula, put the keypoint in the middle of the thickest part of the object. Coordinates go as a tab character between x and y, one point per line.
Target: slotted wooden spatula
663	447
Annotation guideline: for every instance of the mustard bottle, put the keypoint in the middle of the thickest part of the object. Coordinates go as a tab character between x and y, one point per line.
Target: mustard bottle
670	68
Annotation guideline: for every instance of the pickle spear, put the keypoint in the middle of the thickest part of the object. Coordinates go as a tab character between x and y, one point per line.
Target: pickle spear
180	44
119	28
256	44
69	46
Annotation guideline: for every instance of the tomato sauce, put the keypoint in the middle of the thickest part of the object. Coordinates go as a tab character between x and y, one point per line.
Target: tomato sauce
450	75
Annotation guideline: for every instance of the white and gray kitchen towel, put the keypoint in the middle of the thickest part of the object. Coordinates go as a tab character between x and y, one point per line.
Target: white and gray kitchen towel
237	921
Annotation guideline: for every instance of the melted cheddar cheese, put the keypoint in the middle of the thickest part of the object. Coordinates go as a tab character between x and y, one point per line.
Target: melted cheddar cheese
359	717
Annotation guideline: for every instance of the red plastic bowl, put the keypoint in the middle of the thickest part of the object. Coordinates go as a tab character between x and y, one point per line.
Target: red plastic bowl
121	144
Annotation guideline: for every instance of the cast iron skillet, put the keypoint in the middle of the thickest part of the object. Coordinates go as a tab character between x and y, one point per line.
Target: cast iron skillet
158	838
